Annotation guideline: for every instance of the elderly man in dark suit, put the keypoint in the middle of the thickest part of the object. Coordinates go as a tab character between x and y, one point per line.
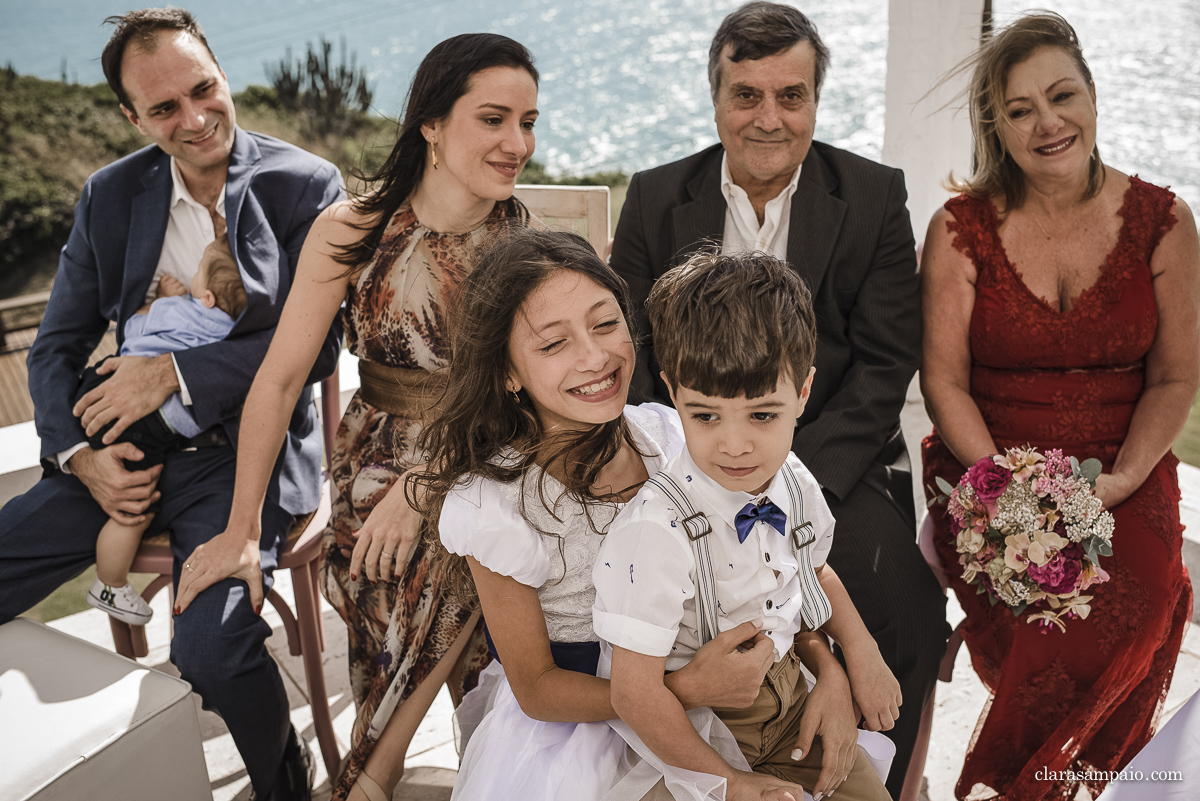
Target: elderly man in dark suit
144	217
840	220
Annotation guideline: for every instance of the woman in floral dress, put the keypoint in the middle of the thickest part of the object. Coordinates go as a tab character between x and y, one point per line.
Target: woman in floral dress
394	257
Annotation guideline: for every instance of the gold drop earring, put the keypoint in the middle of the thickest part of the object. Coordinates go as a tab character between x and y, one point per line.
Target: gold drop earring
433	149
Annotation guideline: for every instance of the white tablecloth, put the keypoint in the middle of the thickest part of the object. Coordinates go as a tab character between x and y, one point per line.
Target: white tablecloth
1174	750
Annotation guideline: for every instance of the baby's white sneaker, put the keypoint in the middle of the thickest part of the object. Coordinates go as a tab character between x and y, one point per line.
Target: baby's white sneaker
124	603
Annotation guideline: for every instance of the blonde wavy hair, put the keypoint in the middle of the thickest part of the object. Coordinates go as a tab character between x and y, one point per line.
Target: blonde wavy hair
995	173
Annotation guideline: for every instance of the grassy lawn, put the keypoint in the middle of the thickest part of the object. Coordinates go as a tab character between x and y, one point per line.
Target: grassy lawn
1187	446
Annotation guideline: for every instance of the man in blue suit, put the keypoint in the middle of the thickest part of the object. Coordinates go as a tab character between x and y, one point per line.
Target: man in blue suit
147	215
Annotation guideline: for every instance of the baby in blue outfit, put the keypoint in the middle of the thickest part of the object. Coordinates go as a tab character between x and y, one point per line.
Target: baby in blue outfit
175	321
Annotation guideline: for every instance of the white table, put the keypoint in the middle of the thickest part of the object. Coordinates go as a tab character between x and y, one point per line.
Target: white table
1175	749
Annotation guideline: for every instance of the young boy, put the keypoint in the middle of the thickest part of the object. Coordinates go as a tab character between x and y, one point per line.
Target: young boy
734	529
175	321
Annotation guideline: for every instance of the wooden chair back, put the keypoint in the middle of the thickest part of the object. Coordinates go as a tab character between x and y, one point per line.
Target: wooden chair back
582	209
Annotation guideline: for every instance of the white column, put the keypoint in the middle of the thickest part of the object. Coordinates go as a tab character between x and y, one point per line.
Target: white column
928	136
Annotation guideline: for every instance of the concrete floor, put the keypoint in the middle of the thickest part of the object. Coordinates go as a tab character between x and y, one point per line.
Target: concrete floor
431	760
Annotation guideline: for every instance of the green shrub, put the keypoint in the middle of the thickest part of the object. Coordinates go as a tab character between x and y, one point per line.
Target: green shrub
535	173
54	135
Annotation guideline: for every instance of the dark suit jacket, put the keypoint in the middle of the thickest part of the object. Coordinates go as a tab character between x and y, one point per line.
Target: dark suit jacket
273	192
849	237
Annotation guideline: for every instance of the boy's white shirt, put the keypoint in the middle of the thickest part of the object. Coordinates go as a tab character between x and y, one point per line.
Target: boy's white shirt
645	574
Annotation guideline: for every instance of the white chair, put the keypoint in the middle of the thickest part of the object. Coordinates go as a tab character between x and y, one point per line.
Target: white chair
582	209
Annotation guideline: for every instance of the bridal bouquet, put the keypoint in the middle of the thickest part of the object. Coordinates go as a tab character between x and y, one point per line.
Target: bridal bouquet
1030	532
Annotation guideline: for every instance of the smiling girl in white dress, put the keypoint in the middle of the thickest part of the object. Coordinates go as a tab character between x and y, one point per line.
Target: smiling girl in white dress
532	457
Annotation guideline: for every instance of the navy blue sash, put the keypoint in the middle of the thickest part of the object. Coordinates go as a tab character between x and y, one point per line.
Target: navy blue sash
581	657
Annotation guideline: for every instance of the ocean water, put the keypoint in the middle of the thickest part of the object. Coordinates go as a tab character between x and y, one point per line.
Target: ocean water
623	81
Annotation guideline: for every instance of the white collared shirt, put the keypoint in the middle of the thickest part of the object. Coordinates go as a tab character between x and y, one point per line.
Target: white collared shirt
742	231
189	232
645	575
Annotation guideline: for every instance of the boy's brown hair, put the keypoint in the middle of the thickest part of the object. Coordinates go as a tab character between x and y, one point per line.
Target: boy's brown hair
223	279
728	324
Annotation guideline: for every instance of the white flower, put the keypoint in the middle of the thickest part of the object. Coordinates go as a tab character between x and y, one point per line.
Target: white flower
1025	463
1044	546
1046	618
1015	548
1012	592
1017	509
970	541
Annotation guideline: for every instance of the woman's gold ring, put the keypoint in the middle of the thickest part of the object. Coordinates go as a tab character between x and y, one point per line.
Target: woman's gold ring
388	554
189	566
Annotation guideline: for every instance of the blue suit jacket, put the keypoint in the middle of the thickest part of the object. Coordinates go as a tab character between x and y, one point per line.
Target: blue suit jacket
273	192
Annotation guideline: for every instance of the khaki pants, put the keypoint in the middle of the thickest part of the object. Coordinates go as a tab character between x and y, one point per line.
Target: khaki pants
767	731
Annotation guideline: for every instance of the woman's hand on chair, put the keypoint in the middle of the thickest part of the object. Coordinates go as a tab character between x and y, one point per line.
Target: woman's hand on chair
386	540
228	555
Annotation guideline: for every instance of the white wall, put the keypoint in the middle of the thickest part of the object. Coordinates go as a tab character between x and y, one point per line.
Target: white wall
926	39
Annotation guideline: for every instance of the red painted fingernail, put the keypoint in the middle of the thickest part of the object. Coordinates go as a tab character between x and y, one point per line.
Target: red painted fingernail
178	611
258	609
353	577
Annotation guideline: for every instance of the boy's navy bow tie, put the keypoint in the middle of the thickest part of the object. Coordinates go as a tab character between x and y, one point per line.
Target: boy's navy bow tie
751	513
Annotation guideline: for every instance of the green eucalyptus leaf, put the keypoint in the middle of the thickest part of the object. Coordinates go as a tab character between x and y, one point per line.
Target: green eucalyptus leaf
992	599
1017	610
1074	467
1105	548
1091	470
944	485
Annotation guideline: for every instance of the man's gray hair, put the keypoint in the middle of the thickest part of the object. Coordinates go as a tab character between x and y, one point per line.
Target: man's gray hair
761	29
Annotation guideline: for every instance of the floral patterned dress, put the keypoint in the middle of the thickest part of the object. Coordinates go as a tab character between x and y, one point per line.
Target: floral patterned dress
398	630
1087	699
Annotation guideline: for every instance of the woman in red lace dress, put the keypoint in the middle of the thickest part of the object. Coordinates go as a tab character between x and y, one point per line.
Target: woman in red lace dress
1060	303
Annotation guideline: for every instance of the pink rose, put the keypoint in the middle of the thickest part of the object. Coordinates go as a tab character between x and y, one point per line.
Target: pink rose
988	479
1060	574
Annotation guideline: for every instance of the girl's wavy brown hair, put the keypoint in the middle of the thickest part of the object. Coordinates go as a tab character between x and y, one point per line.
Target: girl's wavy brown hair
482	430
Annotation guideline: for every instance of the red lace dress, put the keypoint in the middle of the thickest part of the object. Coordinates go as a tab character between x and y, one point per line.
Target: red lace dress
1087	699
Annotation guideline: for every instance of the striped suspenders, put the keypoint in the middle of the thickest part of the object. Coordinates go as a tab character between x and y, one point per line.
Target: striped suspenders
815	606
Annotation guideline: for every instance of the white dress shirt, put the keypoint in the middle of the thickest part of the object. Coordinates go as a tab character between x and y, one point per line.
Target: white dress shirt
645	575
189	232
742	231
